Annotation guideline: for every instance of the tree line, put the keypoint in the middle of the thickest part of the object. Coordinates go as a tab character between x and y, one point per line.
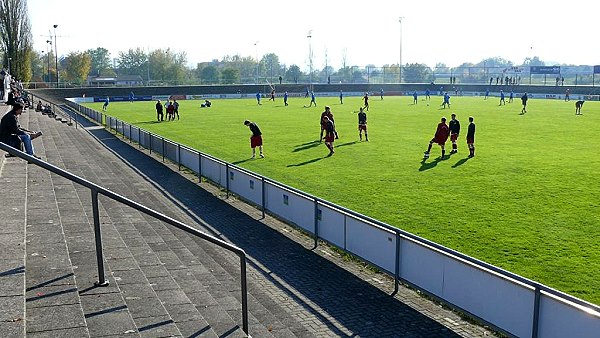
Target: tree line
166	66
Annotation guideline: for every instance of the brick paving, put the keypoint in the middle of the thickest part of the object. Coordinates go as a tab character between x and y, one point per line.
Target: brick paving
163	282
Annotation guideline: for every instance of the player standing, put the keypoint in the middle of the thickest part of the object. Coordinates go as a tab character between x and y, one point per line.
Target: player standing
362	124
285	98
471	137
272	95
524	99
415	97
381	93
454	126
105	106
329	134
366	99
258	98
341	97
502	102
440	137
327	113
255	139
175	109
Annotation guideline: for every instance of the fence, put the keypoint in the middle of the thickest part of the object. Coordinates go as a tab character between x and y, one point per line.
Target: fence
508	302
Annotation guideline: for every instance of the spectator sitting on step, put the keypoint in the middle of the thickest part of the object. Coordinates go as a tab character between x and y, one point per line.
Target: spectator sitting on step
9	128
39	106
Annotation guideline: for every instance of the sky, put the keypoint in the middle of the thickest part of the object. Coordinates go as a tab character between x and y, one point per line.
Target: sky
361	33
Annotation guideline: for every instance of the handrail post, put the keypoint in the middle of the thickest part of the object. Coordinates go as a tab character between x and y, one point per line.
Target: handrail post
244	293
98	236
130	134
316	228
163	149
150	136
536	311
178	157
227	178
263	201
199	167
397	265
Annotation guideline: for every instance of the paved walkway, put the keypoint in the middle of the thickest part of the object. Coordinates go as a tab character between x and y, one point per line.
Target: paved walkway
164	282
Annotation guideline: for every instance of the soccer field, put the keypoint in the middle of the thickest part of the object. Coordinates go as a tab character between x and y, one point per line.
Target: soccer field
528	202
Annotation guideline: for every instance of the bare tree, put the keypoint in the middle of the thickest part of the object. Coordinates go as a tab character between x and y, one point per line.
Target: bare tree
15	37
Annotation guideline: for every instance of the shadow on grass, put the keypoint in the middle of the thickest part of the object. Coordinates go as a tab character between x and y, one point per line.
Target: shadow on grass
346	144
150	122
307	162
242	161
305	146
461	162
429	165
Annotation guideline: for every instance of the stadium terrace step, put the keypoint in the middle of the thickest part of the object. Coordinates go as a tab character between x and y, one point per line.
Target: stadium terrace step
163	281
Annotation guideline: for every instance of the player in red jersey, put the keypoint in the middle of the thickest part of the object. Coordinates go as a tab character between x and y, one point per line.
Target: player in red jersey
441	136
329	134
327	113
255	139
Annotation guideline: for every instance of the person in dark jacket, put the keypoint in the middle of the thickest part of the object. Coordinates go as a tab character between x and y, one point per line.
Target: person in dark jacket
10	129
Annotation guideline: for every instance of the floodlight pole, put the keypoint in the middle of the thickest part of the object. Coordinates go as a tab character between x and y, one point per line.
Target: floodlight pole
400	61
56	56
310	60
257	61
48	42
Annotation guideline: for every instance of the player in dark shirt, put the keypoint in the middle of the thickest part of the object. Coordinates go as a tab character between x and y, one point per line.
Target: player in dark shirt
454	126
159	111
327	113
255	139
524	99
329	134
440	137
366	99
471	137
362	124
578	106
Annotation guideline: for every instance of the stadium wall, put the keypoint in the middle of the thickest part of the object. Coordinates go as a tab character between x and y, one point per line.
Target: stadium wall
512	304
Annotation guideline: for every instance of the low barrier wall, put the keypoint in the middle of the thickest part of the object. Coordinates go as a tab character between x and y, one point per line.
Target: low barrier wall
510	303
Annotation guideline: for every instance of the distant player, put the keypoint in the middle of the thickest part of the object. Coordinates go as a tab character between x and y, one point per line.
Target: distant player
362	124
159	111
578	106
567	95
272	95
415	97
366	100
446	100
511	96
454	126
170	112
341	97
440	137
381	93
131	97
471	137
312	99
285	98
487	93
175	109
258	98
307	92
329	135
428	95
524	99
502	102
255	139
106	102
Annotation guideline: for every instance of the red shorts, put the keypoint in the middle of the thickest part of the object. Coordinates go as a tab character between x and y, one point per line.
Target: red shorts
439	141
453	137
255	141
329	137
362	127
470	140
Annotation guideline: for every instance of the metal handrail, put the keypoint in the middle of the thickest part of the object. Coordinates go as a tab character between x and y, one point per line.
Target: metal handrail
97	189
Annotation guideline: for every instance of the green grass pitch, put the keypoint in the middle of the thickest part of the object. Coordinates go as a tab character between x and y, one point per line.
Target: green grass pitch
527	202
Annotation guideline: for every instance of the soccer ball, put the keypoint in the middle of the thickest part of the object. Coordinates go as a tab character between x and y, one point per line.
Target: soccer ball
426	155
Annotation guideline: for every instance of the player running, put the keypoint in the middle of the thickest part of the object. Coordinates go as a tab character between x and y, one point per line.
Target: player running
366	99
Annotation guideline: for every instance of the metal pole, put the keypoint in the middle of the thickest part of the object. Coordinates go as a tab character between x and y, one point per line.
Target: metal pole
244	295
179	156
400	61
56	56
263	196
163	149
397	267
536	312
99	256
199	167
316	228
227	178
